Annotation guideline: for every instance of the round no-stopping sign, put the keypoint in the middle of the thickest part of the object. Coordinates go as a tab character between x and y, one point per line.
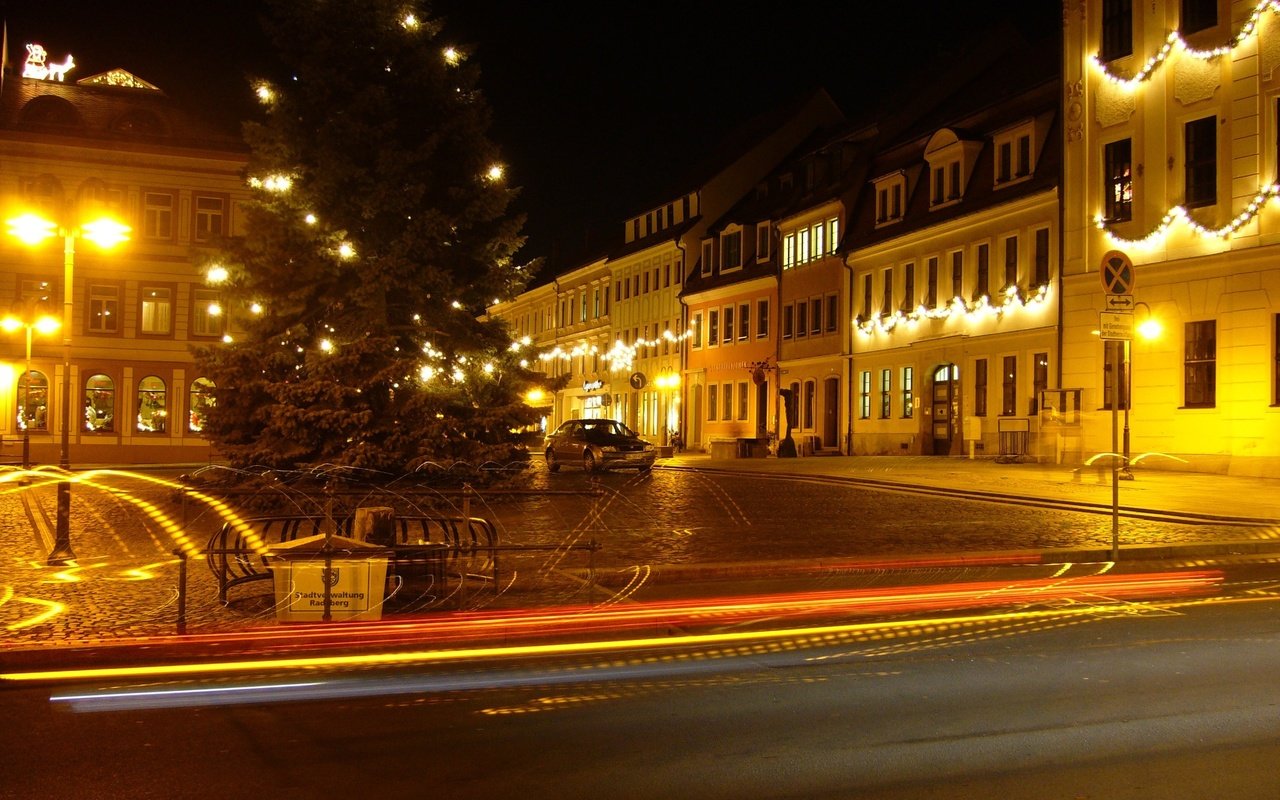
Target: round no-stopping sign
1117	273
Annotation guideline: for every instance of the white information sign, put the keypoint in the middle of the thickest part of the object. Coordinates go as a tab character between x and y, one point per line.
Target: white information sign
1115	326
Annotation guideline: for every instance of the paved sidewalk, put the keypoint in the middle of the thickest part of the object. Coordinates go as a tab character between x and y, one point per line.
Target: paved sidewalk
1216	496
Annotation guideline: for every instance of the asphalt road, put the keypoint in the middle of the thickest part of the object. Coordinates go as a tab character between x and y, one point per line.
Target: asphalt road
1104	699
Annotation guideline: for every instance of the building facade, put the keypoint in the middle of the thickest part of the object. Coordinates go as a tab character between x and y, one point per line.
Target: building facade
1171	164
954	276
72	151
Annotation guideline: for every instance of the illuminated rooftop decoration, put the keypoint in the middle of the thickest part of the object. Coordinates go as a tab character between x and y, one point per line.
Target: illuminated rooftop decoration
1180	214
982	307
1175	42
118	79
37	65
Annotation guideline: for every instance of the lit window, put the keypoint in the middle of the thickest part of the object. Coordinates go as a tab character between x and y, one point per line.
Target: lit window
201	400
206	313
104	309
153	414
99	404
33	402
157	309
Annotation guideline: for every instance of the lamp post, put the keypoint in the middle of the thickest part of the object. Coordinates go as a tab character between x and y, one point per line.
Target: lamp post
33	229
31	315
1148	329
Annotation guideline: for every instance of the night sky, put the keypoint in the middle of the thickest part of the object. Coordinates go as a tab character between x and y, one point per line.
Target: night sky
598	106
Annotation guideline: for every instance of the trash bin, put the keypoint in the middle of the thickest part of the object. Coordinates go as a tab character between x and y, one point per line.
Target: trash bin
357	579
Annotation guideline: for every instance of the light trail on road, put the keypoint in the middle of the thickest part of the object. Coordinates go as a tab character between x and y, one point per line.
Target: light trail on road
1065	595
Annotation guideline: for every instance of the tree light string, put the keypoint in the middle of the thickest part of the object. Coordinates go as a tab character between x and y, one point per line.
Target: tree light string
1012	300
1175	40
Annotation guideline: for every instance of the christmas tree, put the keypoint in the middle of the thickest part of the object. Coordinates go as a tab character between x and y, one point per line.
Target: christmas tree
377	230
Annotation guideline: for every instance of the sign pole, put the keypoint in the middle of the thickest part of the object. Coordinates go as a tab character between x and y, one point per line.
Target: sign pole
1115	450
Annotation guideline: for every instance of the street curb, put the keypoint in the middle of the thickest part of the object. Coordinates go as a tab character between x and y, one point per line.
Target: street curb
985	495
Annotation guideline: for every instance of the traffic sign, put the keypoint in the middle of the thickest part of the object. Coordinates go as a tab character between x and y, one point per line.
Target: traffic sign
1120	302
1115	326
1117	273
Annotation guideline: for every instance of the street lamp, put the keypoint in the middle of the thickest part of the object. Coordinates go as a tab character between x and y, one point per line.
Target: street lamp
31	315
1148	329
106	233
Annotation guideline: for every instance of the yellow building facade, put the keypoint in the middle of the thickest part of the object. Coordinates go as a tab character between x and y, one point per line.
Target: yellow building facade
71	151
1170	163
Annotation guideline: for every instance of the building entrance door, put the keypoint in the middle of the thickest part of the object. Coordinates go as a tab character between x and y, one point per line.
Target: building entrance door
831	412
945	408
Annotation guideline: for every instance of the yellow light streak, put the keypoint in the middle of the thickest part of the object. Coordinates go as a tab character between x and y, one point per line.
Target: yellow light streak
817	635
52	609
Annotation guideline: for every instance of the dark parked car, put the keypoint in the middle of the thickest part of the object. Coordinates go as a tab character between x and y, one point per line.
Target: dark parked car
598	444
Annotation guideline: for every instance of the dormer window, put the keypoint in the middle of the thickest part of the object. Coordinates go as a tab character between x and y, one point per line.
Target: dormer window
1013	153
890	194
708	253
951	162
762	241
731	250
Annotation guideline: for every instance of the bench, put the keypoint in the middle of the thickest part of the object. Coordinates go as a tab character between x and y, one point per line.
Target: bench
422	545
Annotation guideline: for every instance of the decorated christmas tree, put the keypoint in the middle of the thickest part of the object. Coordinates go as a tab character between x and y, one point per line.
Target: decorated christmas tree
377	231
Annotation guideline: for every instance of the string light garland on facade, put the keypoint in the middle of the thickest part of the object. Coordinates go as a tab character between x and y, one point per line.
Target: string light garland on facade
1180	214
620	356
1175	41
1012	300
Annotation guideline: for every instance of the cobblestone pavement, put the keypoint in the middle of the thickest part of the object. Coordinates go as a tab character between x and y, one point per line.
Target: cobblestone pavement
124	581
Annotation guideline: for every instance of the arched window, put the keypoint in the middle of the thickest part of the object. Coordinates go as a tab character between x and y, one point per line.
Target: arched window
100	404
49	111
33	402
153	412
201	401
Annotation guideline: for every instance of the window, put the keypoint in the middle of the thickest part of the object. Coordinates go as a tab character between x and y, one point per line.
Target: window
866	296
793	406
209	217
832	320
713	327
100	404
742	400
728	325
802	246
104	309
1119	176
864	395
980	387
819	241
1117	29
953	184
886	285
1202	162
886	393
957	273
788	314
731	250
802	318
939	186
713	395
762	319
1009	387
815	316
744	322
1112	351
1010	262
646	284
833	233
931	290
1042	257
595	303
153	413
697	330
1024	155
789	251
909	287
157	309
728	402
1197	15
666	277
983	288
762	242
206	313
1004	163
1039	380
157	215
908	392
707	251
33	401
1200	383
